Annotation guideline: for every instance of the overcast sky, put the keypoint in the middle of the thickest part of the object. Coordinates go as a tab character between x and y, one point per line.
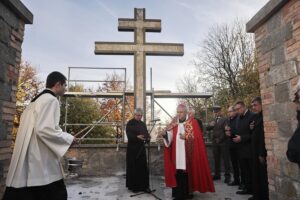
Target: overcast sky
64	31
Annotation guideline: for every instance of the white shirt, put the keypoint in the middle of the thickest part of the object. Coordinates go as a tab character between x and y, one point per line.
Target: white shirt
180	146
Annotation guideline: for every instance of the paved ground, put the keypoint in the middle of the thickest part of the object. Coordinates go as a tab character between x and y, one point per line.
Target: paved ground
113	188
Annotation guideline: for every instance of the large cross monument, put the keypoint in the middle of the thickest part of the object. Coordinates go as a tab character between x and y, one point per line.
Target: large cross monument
139	48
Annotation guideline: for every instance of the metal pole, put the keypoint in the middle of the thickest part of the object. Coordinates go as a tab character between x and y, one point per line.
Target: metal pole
66	102
152	96
163	109
206	112
101	119
124	106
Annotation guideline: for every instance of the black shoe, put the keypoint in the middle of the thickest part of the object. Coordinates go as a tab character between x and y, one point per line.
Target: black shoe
233	183
190	196
216	177
147	190
242	187
251	198
227	180
242	192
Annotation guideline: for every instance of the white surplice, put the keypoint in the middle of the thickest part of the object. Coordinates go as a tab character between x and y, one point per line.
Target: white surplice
39	146
180	146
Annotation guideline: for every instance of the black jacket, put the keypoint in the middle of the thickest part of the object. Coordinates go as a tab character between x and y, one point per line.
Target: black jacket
232	122
243	130
258	137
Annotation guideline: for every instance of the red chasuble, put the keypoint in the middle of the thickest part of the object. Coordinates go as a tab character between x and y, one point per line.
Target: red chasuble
197	166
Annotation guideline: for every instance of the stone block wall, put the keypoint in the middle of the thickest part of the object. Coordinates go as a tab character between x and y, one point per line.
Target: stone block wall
13	17
277	38
104	160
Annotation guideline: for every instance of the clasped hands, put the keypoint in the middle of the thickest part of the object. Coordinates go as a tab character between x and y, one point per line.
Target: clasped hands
143	137
167	128
236	139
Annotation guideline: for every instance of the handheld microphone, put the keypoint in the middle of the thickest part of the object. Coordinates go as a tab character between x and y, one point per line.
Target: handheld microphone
155	120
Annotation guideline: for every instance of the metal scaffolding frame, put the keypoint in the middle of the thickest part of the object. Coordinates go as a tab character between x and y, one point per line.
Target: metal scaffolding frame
89	127
121	95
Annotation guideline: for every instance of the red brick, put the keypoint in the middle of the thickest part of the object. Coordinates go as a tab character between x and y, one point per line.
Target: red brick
9	110
9	104
267	101
17	35
293	47
7	117
16	45
5	143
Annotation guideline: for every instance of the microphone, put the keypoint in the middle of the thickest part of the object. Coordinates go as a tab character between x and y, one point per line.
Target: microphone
155	120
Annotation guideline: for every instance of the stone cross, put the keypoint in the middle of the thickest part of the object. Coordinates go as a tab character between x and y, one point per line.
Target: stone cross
139	48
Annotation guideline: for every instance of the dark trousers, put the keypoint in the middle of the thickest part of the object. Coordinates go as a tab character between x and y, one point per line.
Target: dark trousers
181	191
53	191
260	181
221	151
246	171
234	157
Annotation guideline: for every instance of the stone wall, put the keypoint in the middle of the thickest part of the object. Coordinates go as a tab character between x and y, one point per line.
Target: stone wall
13	17
104	160
277	37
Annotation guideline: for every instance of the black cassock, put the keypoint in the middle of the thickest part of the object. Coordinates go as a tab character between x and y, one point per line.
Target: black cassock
137	173
259	170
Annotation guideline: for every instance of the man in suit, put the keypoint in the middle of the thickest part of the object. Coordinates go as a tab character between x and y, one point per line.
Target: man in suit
259	154
233	147
220	144
243	138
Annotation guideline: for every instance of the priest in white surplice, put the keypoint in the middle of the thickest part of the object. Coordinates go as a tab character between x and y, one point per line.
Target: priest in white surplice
35	171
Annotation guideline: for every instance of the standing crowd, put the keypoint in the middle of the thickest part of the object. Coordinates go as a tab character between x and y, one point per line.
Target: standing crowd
239	141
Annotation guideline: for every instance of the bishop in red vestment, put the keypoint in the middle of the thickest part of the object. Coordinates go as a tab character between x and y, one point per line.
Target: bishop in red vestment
186	164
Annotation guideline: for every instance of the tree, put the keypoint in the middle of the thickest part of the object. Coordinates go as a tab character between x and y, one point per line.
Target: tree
227	62
113	84
191	83
84	111
28	87
91	110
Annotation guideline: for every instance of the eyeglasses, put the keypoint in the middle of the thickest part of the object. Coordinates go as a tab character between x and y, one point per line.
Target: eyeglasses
237	108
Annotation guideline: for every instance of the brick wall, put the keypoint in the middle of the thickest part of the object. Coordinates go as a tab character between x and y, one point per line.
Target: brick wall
277	38
13	17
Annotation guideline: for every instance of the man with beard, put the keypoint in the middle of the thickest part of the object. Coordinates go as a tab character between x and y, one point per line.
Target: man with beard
243	138
186	164
259	154
137	173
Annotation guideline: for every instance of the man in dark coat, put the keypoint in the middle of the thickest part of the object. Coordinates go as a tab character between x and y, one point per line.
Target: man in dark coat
243	138
192	115
259	154
233	147
137	173
220	144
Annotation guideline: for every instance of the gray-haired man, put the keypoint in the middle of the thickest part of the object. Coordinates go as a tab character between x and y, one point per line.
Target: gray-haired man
137	174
